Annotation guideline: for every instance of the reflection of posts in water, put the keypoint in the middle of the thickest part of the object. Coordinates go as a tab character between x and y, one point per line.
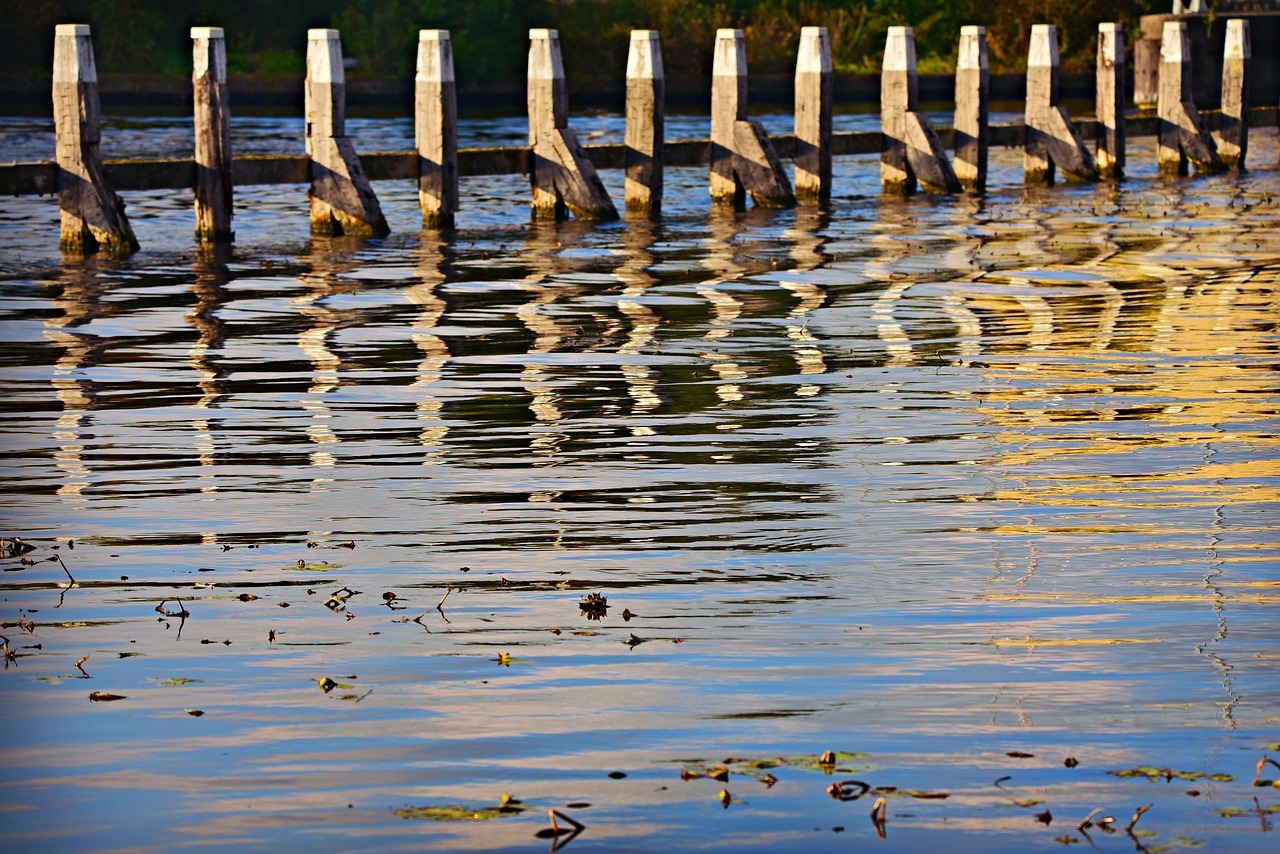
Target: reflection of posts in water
721	257
641	381
542	250
209	289
80	303
328	259
807	241
432	264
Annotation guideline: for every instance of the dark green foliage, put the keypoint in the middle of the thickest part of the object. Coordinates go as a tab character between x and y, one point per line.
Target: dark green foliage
490	37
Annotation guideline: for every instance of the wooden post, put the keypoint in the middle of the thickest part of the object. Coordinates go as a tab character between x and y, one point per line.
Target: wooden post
563	177
1110	100
909	150
814	77
742	157
972	90
1146	72
1052	139
342	202
1233	141
1182	138
646	103
92	214
213	135
436	129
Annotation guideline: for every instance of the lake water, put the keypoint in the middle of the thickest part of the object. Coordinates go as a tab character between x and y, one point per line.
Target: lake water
979	494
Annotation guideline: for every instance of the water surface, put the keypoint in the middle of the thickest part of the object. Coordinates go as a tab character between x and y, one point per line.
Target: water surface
925	482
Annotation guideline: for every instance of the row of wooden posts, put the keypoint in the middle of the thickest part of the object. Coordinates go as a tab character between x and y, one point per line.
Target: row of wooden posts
743	159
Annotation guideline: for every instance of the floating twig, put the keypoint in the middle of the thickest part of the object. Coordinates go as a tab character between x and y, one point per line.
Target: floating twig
1088	820
81	669
879	809
569	834
58	558
440	605
1137	814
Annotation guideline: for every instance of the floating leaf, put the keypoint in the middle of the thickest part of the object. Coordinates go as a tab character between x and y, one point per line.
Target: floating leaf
1066	840
1071	762
175	681
458	812
195	713
1029	802
926	796
246	597
1229	812
1153	774
1018	754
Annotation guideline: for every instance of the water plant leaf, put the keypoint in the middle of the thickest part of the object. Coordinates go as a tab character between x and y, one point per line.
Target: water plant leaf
926	796
457	812
195	713
1153	774
173	681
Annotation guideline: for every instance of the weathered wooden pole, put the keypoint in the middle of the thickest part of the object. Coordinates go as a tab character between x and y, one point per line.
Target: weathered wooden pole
342	202
1233	140
1182	137
742	157
1110	101
92	214
213	135
910	151
1053	141
646	105
436	129
973	85
814	79
563	177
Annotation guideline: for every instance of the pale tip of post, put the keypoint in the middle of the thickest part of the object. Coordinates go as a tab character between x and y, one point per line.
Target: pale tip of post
643	35
72	30
973	31
207	33
1109	28
728	33
323	35
433	35
1042	30
542	34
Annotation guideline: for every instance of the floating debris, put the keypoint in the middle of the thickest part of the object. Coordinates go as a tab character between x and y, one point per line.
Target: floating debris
103	697
195	713
507	806
594	606
1137	814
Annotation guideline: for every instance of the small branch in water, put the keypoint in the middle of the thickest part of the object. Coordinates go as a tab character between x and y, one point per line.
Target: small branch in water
1088	820
878	811
440	604
58	558
81	669
1137	814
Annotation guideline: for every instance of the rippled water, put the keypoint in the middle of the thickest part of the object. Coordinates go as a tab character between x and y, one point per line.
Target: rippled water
926	482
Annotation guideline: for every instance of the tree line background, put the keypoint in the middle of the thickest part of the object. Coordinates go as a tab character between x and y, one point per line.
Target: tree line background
490	37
